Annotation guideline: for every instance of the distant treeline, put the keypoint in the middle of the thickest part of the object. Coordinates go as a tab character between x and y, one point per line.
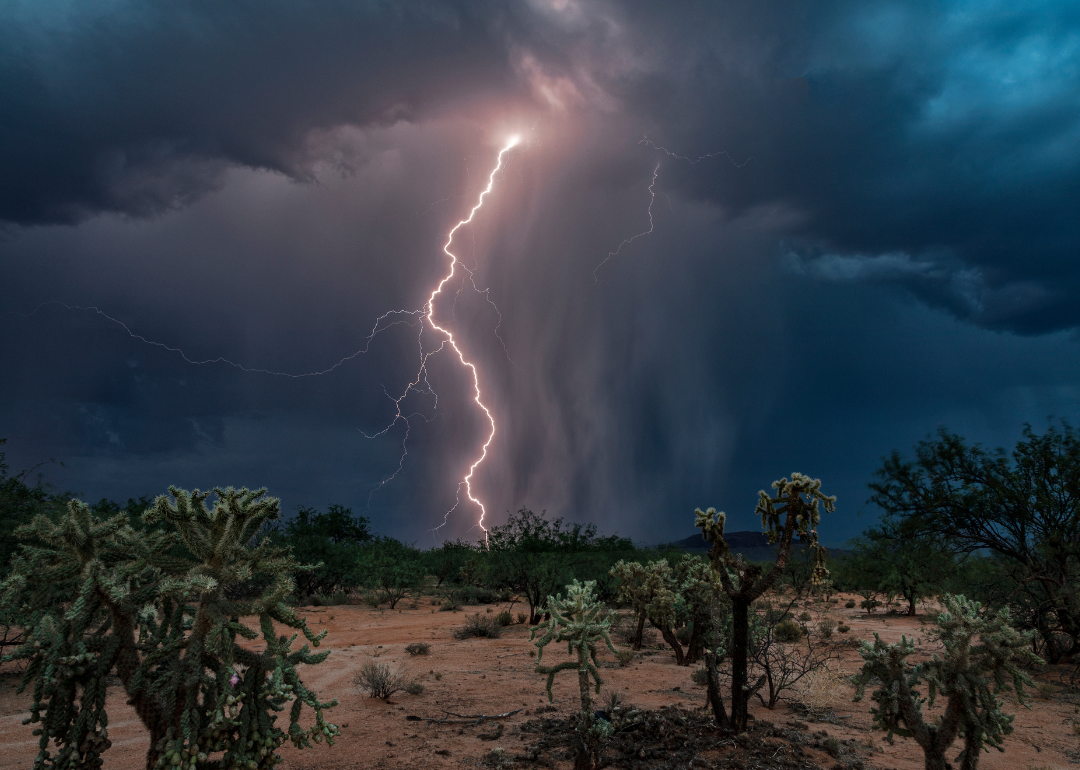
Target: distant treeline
1002	528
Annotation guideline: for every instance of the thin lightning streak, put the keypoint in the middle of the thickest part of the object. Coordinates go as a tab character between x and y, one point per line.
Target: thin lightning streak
652	194
649	142
375	330
612	254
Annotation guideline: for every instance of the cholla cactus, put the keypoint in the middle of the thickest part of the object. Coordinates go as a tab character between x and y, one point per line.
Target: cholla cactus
799	499
158	607
979	662
581	621
673	596
794	510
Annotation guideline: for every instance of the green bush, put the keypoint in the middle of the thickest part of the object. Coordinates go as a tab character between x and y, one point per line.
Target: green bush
850	604
478	626
805	617
788	631
504	618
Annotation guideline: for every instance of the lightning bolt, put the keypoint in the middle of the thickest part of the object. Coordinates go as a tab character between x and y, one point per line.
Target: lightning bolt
375	330
448	339
612	254
413	318
652	195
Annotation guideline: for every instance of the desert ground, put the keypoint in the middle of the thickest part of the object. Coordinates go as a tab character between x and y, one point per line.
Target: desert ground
495	676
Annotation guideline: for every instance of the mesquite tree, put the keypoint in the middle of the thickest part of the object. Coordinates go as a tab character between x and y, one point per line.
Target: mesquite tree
162	607
979	661
794	510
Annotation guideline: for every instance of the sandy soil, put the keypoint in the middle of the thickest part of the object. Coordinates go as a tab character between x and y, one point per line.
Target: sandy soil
493	676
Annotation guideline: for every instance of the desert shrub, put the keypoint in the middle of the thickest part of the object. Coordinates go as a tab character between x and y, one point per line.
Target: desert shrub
805	617
521	618
625	657
418	648
869	604
487	596
373	599
850	604
322	600
843	628
825	627
504	618
380	680
700	677
478	625
449	605
414	688
788	631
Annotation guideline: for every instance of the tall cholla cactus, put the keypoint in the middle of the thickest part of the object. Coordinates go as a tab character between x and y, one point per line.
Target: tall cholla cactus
794	510
581	621
157	607
799	499
980	661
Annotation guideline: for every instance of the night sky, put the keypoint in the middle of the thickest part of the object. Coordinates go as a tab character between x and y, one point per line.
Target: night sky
865	223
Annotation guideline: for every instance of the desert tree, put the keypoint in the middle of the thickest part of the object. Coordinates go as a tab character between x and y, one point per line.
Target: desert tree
981	658
97	596
582	622
892	560
534	555
795	509
1022	507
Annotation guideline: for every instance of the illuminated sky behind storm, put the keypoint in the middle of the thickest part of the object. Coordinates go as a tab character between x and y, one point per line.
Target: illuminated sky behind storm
884	239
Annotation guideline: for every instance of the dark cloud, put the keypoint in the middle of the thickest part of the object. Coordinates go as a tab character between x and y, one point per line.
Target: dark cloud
862	226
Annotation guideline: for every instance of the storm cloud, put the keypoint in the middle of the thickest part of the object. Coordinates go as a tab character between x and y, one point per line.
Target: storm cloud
857	222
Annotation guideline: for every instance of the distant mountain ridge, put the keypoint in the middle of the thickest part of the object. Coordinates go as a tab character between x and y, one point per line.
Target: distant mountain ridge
735	541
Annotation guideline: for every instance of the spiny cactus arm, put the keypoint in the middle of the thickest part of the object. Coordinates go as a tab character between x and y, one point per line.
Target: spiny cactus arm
551	671
712	522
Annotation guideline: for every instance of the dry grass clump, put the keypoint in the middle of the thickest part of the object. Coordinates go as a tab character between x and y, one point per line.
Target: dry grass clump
418	648
479	626
825	627
625	657
820	691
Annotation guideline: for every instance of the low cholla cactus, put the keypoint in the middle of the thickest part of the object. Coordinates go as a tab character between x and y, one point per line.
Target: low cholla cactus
581	621
162	607
979	662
